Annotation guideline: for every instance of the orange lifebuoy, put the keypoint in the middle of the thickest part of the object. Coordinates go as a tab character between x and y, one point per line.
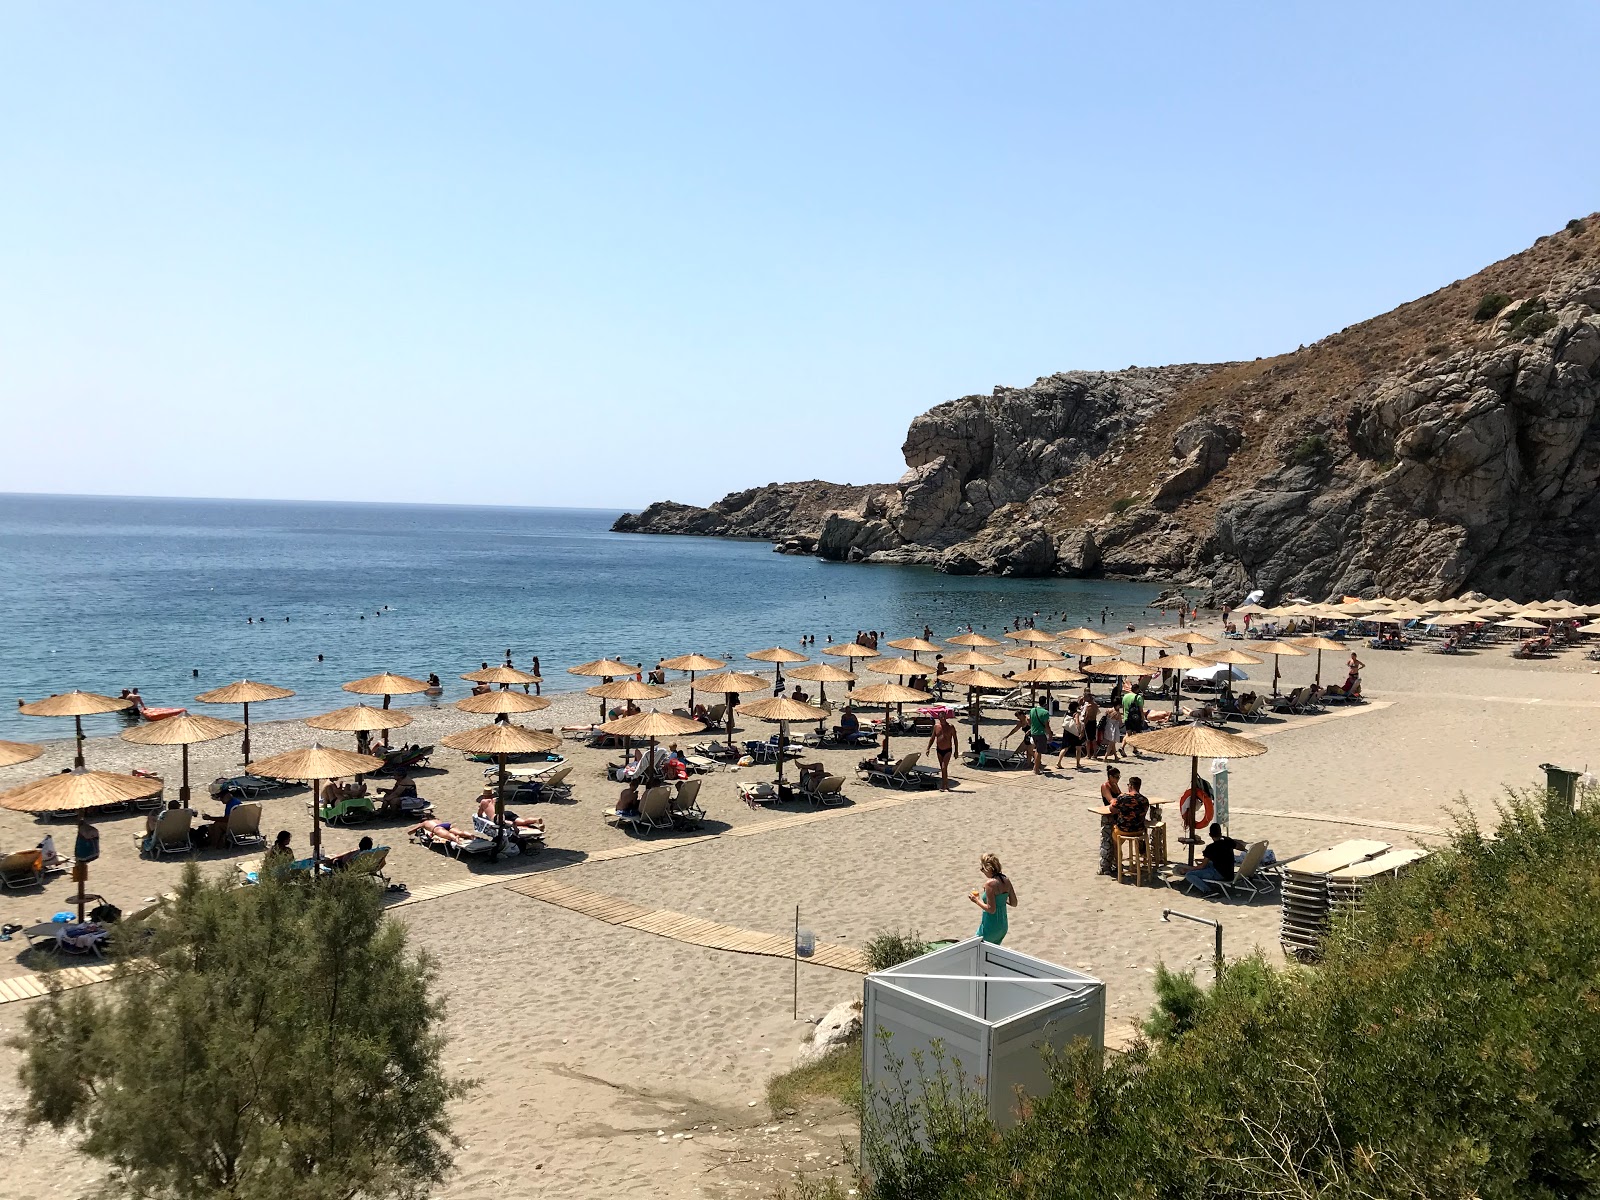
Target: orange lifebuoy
1187	803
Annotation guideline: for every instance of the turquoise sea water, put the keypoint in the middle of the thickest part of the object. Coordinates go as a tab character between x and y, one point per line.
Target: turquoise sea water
103	594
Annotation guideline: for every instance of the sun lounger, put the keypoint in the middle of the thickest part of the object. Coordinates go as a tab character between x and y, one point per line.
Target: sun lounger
171	834
246	786
824	792
477	845
902	774
22	868
556	786
243	827
528	841
369	863
685	804
68	937
756	794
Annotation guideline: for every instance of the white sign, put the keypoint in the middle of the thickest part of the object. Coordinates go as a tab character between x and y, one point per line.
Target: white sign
1219	790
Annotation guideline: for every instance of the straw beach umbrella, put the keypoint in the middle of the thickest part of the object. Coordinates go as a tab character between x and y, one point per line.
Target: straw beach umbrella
1029	635
887	694
1191	640
783	710
732	683
500	704
822	674
916	645
76	705
245	692
973	658
75	791
1319	644
1275	649
1234	658
692	663
505	676
627	689
972	640
777	656
1081	634
501	740
652	725
607	669
12	753
313	765
360	719
903	667
1194	742
1048	675
386	685
1178	664
850	651
974	679
183	731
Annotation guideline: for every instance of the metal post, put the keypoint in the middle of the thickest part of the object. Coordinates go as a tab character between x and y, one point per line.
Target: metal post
1168	913
795	950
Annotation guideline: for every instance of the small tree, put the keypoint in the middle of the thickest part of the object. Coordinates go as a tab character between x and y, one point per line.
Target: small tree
270	1042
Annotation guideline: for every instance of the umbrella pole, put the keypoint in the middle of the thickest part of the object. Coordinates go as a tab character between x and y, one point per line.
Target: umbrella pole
500	802
1194	788
81	871
1318	680
77	758
972	708
247	733
316	827
386	699
183	789
1274	676
730	729
691	691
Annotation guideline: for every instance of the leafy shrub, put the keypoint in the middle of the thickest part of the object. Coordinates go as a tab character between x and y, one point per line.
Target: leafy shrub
1448	1045
1575	225
1535	324
1490	306
1517	320
889	948
1124	504
1308	449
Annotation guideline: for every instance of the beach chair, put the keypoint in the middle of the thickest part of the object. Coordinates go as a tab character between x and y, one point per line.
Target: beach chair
245	786
527	841
1294	702
171	834
756	794
244	825
901	774
349	809
22	868
556	786
369	864
1250	876
825	792
655	809
715	715
685	806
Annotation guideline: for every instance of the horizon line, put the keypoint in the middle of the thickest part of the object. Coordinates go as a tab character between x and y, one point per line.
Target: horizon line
292	500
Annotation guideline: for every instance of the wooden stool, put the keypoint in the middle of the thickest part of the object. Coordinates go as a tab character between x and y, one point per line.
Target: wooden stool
1156	836
1133	852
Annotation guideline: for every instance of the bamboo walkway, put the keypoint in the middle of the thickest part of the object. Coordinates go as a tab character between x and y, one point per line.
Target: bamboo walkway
696	931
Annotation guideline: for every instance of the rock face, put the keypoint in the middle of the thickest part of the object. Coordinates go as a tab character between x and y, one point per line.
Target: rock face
840	1026
779	512
1442	446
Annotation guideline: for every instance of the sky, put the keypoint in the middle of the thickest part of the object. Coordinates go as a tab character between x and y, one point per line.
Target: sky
601	254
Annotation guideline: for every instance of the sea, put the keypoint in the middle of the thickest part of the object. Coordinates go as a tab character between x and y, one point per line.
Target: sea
177	596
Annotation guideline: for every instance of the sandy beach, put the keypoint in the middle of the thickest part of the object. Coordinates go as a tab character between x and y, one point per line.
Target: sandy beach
613	1062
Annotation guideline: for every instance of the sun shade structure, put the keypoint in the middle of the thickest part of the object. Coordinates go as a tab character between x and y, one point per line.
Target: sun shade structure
501	703
185	730
245	692
972	639
823	674
732	683
783	710
604	667
76	705
902	667
1035	654
1191	639
1194	742
1319	644
500	740
653	725
76	791
973	680
314	764
692	663
386	685
1029	635
776	655
854	650
1275	649
887	694
916	645
973	658
1513	623
1081	634
1144	643
12	753
506	676
1117	667
359	718
1178	664
626	689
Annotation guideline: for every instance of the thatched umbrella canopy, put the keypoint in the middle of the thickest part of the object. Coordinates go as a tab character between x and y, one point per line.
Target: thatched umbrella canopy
1029	635
498	704
823	674
1190	638
1086	650
783	710
12	753
245	692
606	668
1082	633
1178	664
903	667
1319	644
626	689
1036	654
76	705
732	683
850	651
972	640
1275	649
314	764
692	663
386	685
1048	675
1194	742
887	694
360	719
505	676
184	730
916	645
74	791
653	725
973	658
777	656
974	679
1144	642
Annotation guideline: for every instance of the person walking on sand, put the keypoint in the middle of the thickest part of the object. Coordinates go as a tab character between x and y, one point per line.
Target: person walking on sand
1035	723
1091	724
947	742
994	896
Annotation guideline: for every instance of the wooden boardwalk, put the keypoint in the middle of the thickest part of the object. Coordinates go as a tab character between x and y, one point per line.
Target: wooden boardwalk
696	931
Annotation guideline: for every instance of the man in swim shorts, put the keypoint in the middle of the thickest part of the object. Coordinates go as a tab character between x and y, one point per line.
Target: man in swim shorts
946	741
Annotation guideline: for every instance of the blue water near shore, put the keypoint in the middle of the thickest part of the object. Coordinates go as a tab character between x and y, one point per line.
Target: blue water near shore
104	593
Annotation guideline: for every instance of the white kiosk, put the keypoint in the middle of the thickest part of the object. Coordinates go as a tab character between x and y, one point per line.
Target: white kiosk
991	1009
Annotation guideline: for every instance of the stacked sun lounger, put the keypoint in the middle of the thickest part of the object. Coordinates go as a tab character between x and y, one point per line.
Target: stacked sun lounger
1306	898
1348	885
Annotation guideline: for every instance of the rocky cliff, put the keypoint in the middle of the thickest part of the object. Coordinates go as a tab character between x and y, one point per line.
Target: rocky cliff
1449	444
778	512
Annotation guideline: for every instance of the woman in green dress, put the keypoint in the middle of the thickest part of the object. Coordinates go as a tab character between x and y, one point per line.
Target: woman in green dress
994	897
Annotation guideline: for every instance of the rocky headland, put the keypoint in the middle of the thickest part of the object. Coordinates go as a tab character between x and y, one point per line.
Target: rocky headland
1446	445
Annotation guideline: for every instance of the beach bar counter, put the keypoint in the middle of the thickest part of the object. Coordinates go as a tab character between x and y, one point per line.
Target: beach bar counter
992	1010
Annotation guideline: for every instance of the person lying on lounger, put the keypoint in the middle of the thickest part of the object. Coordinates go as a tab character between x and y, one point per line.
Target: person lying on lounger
340	861
391	798
511	819
440	831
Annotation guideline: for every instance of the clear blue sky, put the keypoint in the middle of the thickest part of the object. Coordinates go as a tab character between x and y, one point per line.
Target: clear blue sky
598	254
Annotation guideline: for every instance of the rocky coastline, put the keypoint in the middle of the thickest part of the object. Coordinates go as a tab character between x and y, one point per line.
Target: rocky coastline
1446	445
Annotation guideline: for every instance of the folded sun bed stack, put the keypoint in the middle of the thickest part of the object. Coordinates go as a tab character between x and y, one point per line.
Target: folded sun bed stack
1306	893
1347	885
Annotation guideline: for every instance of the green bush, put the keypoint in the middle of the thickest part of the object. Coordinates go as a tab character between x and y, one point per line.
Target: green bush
1490	306
1535	324
1519	317
1448	1045
1575	225
889	948
1308	449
